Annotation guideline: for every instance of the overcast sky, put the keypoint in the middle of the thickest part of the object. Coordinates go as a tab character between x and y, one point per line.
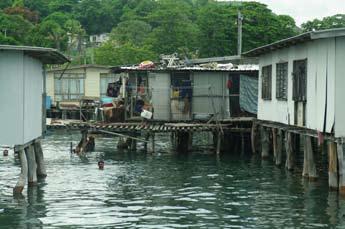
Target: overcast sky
304	10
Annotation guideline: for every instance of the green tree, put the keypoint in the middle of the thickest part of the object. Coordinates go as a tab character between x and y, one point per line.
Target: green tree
5	3
132	31
173	28
335	21
110	54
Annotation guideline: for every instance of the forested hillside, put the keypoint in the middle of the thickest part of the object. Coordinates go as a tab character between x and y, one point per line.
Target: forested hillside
140	29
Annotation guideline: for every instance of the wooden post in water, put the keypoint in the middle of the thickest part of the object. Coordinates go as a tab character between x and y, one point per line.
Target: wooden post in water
279	153
274	143
190	141
253	137
332	166
152	145
219	143
264	143
133	145
32	166
289	164
309	167
341	165
41	168
23	173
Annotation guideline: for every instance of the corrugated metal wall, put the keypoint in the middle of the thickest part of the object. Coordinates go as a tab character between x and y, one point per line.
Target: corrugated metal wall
21	90
159	85
321	66
210	94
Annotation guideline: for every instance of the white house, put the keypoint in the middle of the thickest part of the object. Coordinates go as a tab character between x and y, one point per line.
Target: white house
22	91
301	81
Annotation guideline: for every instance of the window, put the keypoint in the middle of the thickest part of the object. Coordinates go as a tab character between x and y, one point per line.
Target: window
266	83
281	81
69	87
300	80
105	79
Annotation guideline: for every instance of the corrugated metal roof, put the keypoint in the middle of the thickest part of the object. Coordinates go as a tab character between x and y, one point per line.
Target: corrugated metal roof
81	67
312	35
235	68
45	55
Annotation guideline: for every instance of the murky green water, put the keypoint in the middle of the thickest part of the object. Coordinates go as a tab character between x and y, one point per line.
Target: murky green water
163	191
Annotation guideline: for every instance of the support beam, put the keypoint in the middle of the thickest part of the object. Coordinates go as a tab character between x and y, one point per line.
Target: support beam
41	168
341	165
264	143
279	153
309	167
32	166
332	166
290	160
23	173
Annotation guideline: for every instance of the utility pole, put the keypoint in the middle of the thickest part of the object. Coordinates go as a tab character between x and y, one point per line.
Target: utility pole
239	33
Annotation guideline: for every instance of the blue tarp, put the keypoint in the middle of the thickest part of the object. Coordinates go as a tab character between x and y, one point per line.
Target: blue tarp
249	94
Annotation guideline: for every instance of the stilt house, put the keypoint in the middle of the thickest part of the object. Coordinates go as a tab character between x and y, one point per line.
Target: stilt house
193	93
22	92
301	81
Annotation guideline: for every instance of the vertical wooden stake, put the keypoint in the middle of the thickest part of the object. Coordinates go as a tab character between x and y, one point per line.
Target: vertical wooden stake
41	168
289	151
305	172
341	164
190	141
332	166
279	152
242	144
275	145
32	167
253	137
219	140
264	143
311	160
23	173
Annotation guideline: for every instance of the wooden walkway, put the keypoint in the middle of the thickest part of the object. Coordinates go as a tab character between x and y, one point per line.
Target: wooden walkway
151	126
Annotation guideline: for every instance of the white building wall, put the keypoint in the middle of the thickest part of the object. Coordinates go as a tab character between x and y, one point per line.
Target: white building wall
321	60
33	89
21	90
12	98
340	88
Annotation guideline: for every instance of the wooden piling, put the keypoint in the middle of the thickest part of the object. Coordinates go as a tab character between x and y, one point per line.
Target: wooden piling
341	167
264	143
134	145
289	164
275	143
332	166
32	166
41	168
309	167
279	149
23	173
190	141
219	143
253	137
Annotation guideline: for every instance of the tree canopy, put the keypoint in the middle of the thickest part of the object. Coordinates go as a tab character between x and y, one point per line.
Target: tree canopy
144	29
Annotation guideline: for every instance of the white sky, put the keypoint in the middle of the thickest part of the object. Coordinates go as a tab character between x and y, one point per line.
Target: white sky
305	10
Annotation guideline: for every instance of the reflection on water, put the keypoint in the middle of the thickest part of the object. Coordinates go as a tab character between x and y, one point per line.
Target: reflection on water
163	190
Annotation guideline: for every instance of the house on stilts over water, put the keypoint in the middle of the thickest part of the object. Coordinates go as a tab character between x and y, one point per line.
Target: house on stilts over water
22	116
301	92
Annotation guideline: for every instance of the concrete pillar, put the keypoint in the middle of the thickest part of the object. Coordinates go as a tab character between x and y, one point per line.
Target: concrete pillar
290	160
32	166
41	168
309	167
341	164
23	173
279	148
332	166
264	143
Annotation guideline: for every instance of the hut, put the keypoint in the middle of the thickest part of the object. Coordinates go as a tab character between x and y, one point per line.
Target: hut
22	93
301	90
193	93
